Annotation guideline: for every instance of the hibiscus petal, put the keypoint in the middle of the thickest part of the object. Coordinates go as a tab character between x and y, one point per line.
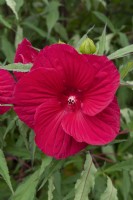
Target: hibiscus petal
104	86
98	130
50	137
25	53
78	73
33	89
7	85
53	56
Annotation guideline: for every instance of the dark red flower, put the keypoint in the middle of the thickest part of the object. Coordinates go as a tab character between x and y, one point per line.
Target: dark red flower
7	84
25	53
68	99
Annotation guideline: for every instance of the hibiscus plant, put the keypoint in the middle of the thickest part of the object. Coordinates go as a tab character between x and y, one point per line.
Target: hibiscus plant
66	99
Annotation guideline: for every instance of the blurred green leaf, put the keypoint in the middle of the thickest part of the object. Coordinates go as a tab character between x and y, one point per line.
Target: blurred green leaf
5	22
12	5
36	29
51	188
19	36
4	170
105	20
52	15
102	43
121	52
86	182
7	49
61	31
124	165
19	4
110	193
126	185
125	69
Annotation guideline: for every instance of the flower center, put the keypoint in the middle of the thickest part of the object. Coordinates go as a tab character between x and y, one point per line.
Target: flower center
71	100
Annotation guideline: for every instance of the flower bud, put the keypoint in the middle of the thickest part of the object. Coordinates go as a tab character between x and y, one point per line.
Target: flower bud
60	42
87	47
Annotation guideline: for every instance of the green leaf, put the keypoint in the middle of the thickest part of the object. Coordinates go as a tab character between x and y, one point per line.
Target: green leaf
124	165
121	52
51	188
102	43
126	185
35	28
7	49
19	4
105	20
10	126
110	193
17	67
4	170
32	146
52	15
86	182
45	162
23	129
5	22
125	69
61	31
12	5
19	36
55	165
27	189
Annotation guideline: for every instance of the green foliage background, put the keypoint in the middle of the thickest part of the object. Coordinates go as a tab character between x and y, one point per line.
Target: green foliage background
32	174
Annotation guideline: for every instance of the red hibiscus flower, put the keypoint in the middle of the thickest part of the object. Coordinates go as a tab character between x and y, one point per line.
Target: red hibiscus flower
68	99
25	53
7	84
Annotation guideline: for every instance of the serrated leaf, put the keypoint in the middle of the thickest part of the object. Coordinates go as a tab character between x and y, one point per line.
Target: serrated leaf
105	20
110	193
5	22
102	43
51	188
17	67
124	70
12	5
86	182
4	170
27	189
121	52
124	165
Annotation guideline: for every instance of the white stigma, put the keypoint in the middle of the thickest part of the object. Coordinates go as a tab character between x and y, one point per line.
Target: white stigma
71	100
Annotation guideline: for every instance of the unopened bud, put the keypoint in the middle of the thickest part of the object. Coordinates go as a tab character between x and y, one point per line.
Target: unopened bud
60	42
87	46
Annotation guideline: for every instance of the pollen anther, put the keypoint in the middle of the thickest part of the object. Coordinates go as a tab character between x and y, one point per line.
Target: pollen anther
71	100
